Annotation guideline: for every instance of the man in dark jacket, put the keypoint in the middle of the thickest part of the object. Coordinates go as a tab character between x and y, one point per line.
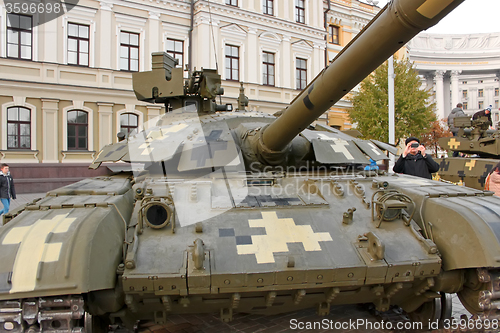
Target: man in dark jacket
414	161
7	189
483	113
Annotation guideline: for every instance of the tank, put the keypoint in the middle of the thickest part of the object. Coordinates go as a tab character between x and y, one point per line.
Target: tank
479	143
220	210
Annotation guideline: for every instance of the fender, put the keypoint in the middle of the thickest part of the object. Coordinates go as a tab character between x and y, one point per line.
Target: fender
65	244
463	222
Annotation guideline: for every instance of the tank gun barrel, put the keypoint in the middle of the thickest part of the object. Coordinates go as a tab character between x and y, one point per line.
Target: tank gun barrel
397	23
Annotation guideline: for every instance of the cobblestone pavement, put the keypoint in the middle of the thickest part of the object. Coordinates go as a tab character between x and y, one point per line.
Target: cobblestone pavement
346	315
243	323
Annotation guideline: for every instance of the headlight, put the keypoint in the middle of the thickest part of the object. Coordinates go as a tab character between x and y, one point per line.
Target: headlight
157	214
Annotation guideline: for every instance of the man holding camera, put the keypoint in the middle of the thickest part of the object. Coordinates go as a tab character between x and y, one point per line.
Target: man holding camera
414	161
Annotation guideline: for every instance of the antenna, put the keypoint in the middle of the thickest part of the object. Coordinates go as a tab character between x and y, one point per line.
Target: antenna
213	37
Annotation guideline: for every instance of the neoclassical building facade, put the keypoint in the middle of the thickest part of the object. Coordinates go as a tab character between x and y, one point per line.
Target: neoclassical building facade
459	69
66	85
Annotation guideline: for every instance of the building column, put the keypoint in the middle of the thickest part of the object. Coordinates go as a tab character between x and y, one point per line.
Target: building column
215	39
105	111
204	43
50	35
251	59
50	142
455	94
429	80
489	96
317	59
473	105
438	78
286	63
105	31
286	9
315	14
154	37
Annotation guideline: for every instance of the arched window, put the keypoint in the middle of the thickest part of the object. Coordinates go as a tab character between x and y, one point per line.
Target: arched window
18	128
77	130
128	123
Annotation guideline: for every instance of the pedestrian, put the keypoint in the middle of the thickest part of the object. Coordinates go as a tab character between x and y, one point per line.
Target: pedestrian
456	112
414	161
7	189
492	182
483	113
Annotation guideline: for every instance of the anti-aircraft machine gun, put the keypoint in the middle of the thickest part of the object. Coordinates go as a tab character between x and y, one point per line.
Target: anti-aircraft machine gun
479	143
245	212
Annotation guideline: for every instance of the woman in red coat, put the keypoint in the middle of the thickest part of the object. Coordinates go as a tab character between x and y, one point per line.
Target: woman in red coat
493	181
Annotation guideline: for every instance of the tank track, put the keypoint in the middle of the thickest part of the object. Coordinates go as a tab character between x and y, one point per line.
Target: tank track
46	314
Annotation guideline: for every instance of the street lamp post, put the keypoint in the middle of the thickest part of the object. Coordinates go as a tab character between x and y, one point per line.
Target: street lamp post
390	76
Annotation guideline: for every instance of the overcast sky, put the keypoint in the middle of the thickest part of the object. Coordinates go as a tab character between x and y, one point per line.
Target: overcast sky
472	16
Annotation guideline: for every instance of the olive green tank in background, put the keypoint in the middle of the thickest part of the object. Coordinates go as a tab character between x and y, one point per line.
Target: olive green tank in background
215	210
479	143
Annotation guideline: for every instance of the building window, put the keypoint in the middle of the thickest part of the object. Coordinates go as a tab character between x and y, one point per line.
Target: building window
496	91
464	94
128	123
464	104
268	69
300	9
268	7
480	93
496	104
333	34
175	48
232	3
480	81
19	36
18	128
232	63
301	73
480	105
129	51
464	82
78	44
77	130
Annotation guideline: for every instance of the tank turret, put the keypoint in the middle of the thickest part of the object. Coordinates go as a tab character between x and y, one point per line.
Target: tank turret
480	146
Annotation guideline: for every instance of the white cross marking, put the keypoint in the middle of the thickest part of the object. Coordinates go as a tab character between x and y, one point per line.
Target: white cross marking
279	232
33	249
374	148
340	147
